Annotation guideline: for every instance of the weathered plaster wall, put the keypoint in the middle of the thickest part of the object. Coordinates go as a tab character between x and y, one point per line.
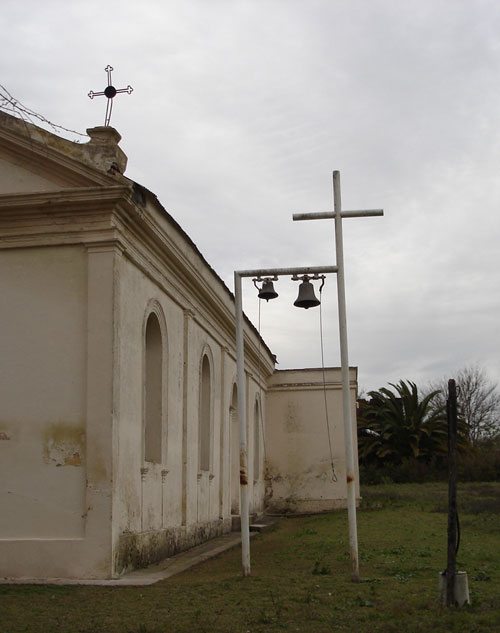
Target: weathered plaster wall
202	493
299	474
57	393
161	508
146	495
17	179
86	255
42	391
256	482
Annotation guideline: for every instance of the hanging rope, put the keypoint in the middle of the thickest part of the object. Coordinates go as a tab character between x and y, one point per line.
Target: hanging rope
334	475
260	392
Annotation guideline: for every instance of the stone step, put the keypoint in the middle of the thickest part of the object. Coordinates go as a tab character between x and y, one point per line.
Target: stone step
236	521
257	527
264	523
257	523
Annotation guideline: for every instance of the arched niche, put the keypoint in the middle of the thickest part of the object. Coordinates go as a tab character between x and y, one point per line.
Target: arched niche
205	412
154	376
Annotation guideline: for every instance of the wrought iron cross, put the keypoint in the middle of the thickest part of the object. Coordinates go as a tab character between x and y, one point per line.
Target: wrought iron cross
110	92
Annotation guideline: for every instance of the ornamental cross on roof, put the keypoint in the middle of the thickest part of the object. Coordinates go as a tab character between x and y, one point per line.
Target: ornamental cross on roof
110	92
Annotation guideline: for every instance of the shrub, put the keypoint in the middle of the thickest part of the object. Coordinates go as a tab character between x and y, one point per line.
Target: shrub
481	463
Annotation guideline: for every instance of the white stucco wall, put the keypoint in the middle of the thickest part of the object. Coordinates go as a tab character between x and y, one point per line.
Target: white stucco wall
163	507
139	494
299	473
16	179
42	425
56	402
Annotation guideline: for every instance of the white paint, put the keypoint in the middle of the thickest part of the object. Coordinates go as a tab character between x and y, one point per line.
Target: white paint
298	454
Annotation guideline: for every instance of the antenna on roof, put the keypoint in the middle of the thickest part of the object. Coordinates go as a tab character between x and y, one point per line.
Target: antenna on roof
110	92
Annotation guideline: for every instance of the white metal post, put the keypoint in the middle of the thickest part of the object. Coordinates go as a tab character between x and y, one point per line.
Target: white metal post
240	370
346	400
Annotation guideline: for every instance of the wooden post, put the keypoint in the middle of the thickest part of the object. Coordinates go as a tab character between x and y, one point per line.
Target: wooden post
451	410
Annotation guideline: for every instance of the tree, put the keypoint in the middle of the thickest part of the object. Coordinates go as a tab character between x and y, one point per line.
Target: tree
478	402
398	425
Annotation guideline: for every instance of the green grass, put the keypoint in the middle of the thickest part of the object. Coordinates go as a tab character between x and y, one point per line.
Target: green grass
300	578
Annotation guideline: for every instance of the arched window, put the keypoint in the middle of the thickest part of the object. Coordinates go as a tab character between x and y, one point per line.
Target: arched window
205	425
256	441
153	391
235	452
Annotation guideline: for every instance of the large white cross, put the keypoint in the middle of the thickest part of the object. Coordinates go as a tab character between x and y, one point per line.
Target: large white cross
337	215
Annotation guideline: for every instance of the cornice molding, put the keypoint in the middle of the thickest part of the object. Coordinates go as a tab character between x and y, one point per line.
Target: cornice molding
75	198
94	209
97	214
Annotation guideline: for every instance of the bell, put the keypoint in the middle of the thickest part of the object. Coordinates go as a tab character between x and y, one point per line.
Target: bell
306	298
267	291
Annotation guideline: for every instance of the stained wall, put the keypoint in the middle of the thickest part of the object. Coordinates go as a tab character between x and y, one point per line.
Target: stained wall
299	471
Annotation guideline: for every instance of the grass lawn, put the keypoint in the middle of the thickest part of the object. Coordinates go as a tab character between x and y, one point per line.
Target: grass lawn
301	577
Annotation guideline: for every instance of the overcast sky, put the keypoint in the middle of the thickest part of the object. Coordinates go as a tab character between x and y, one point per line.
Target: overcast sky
242	109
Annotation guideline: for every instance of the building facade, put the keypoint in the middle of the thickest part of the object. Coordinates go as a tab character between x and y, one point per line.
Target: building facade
119	437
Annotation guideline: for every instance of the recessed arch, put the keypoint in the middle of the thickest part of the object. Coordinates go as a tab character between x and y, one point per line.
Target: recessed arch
154	377
256	440
205	427
235	451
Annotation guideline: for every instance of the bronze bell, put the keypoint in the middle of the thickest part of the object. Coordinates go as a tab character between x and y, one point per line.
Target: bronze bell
267	291
307	298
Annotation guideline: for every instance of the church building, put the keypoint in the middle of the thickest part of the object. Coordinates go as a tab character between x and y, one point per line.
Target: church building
119	440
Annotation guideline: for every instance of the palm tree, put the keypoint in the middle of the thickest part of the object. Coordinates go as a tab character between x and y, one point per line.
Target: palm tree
398	425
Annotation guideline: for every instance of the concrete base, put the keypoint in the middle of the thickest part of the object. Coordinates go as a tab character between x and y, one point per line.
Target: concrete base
461	588
136	550
161	570
293	506
151	574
